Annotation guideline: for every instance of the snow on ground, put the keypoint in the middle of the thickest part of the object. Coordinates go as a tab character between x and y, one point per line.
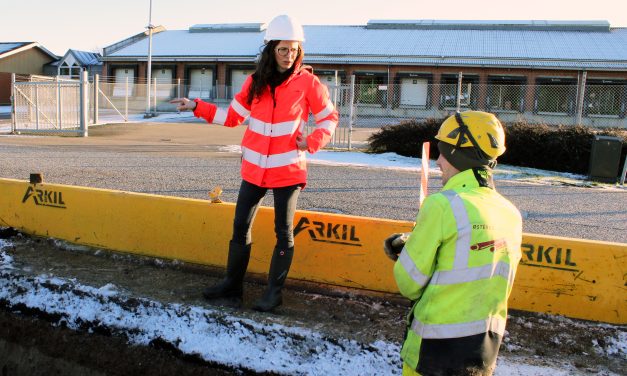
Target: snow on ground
216	336
210	334
397	162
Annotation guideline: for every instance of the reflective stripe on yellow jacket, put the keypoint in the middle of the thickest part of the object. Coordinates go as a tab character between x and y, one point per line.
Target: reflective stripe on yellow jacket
459	263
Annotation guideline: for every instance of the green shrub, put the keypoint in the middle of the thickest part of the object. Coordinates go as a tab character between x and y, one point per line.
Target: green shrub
555	148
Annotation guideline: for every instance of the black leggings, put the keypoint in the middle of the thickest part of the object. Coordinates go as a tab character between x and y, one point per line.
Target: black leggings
248	202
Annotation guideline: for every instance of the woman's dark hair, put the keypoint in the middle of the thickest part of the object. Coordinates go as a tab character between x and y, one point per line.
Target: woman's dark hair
266	73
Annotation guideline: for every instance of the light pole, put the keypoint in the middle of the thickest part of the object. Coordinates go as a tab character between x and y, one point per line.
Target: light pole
149	64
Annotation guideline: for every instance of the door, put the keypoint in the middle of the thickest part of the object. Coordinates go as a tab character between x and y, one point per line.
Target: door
121	74
414	91
164	82
200	83
238	77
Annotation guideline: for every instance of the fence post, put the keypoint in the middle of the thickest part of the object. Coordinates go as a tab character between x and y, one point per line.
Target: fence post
351	110
13	105
126	100
154	92
96	96
84	103
36	106
458	104
582	89
178	87
58	103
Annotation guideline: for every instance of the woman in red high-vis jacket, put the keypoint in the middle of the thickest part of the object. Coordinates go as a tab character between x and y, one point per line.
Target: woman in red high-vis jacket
277	99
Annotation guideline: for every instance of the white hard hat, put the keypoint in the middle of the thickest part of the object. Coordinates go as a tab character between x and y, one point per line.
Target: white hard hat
284	28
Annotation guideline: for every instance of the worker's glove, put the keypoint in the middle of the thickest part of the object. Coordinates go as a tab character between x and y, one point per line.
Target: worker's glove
394	244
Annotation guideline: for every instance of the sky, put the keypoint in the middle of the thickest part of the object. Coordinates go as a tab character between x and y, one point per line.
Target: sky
90	25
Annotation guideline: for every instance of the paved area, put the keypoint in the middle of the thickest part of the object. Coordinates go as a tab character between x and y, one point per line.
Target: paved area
188	160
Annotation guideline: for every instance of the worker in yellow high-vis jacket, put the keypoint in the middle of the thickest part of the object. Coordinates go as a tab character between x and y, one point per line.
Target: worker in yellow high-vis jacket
458	264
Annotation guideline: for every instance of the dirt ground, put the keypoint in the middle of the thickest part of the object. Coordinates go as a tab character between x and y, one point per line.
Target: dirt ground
36	343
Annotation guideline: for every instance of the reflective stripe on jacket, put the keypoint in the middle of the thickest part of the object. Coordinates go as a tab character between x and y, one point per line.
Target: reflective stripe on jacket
270	156
458	266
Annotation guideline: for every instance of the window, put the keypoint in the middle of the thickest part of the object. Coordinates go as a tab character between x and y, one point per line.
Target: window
605	99
368	90
448	94
559	99
505	97
556	95
506	93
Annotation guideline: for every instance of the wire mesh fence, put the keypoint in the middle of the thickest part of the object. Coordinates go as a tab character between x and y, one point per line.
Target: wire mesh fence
601	105
366	104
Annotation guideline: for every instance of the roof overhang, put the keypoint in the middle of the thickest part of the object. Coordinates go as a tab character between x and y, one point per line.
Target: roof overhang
434	61
247	58
27	47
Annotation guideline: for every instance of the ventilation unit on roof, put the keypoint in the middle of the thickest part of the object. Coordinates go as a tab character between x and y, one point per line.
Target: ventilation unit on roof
228	28
490	25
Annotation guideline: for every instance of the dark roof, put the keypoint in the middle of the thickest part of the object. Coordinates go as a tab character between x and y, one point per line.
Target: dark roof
7	48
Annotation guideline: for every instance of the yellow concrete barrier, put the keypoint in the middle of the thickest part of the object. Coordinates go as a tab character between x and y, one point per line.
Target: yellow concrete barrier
575	278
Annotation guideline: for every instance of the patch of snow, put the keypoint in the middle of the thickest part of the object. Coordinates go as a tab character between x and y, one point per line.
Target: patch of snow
67	246
108	290
6	261
230	149
214	336
616	345
394	161
520	367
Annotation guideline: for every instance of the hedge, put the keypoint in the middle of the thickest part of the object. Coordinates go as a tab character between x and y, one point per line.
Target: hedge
555	148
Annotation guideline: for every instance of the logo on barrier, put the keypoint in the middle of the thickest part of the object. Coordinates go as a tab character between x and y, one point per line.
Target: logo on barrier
548	257
327	232
45	197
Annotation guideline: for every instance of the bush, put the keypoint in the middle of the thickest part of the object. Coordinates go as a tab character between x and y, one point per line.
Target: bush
555	148
405	138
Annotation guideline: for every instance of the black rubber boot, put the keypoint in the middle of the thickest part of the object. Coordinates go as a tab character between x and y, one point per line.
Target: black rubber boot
279	267
231	285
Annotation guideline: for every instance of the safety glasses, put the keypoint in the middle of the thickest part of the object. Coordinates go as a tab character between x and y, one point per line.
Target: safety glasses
284	51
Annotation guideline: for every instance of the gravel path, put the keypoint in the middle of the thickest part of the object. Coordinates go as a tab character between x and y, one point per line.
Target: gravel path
186	160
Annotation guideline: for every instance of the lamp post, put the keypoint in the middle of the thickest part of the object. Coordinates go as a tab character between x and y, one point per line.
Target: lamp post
148	113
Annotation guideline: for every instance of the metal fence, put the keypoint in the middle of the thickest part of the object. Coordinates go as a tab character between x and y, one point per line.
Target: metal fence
592	105
45	105
54	105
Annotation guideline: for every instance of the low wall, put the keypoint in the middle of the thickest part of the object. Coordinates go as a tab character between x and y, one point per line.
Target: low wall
576	278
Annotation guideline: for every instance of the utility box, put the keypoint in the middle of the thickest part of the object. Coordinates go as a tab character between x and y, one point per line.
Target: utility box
605	158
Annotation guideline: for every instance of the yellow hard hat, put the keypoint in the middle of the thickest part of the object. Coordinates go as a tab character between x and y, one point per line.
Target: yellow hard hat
481	130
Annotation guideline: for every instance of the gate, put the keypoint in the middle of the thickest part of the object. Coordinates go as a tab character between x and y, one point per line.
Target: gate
343	98
47	105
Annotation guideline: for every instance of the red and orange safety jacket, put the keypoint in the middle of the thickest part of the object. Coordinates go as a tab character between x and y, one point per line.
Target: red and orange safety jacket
270	156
